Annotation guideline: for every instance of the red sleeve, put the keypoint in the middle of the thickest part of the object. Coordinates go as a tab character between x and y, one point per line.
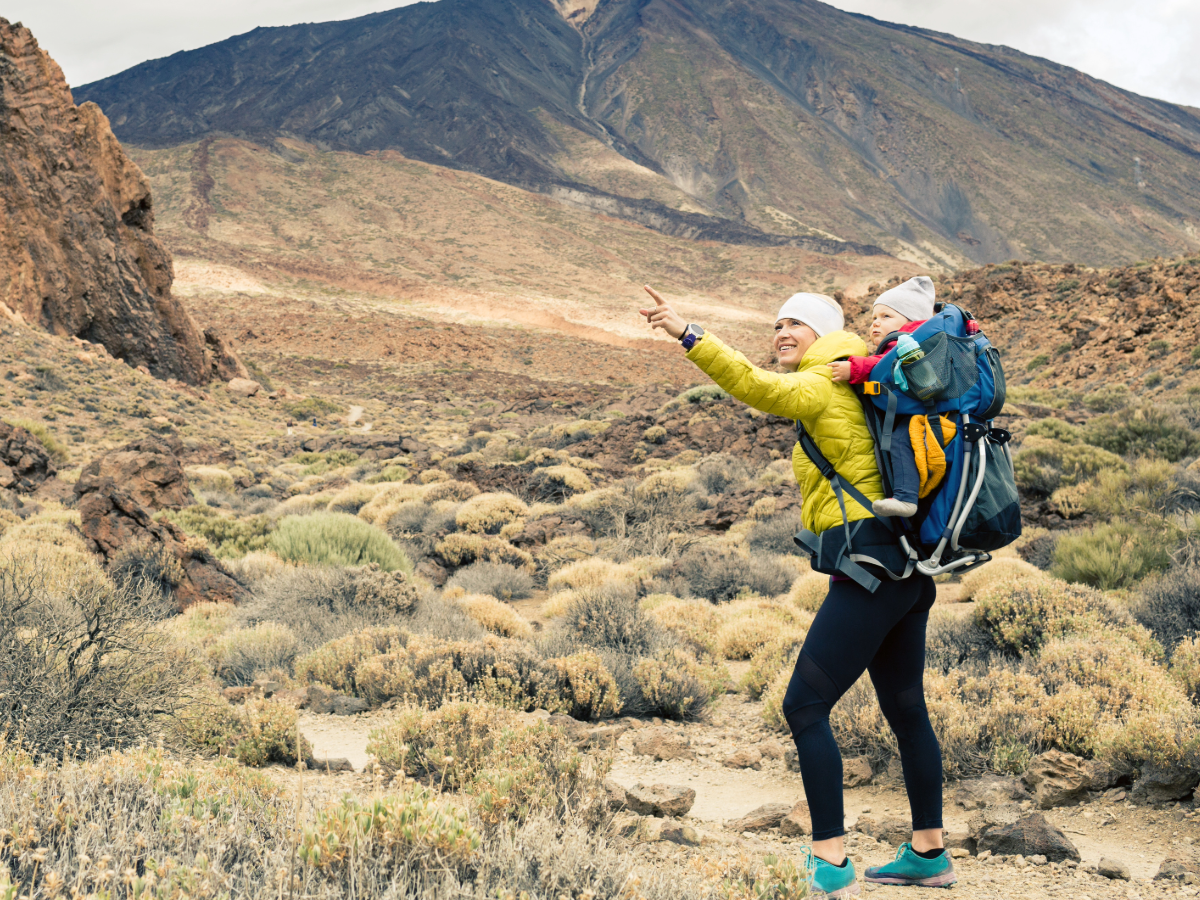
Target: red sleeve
860	368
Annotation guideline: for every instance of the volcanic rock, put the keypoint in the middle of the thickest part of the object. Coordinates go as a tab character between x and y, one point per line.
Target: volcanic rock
320	699
77	238
890	830
1058	778
745	758
989	790
1030	835
662	743
24	463
147	470
243	387
1181	862
660	800
769	815
796	822
1159	785
1113	869
857	772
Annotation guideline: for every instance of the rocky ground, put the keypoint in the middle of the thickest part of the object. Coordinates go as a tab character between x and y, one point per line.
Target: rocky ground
746	794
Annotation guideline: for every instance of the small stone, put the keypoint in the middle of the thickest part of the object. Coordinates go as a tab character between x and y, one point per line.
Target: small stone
767	816
679	833
856	772
888	829
791	759
771	750
1113	869
1036	860
338	764
746	758
960	840
797	822
985	855
958	853
660	800
662	743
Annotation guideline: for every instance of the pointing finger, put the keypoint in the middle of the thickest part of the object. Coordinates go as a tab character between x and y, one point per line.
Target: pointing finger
655	294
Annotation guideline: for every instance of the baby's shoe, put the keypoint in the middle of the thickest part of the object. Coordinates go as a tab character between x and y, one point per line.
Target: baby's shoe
890	506
828	880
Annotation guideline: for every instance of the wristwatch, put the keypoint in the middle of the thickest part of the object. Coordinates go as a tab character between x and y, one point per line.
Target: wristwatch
690	335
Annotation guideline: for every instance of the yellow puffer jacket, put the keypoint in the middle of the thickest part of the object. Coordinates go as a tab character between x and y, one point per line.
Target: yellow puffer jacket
831	413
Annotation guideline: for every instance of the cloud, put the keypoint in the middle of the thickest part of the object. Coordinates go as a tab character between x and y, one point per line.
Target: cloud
1145	47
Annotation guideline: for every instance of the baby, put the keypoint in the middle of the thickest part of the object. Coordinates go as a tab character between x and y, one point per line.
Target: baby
904	308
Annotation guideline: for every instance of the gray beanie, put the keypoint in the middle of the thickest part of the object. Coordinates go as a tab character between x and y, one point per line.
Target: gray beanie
913	299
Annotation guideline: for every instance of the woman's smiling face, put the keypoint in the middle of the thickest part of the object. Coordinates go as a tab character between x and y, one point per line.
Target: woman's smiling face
792	340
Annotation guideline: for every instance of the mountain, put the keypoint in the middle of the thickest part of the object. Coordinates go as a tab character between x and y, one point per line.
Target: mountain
768	120
78	253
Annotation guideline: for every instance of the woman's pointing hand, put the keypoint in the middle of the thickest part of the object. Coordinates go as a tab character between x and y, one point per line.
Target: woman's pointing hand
662	316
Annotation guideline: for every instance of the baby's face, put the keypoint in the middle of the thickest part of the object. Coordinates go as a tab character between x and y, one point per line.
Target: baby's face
886	321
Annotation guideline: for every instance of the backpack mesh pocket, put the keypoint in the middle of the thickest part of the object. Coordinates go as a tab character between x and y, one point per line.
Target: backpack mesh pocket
946	371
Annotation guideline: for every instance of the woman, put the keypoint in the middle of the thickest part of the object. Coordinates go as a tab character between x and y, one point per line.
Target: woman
882	633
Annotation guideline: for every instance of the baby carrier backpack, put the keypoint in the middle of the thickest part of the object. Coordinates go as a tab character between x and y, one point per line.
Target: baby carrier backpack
969	504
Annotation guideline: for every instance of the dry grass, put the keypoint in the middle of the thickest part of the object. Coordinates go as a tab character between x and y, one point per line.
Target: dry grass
1002	569
496	616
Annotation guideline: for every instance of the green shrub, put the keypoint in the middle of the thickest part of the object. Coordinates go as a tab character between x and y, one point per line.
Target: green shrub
1109	398
1154	379
244	655
1185	666
1043	465
1150	429
1037	362
702	393
311	407
1112	555
336	539
501	581
583	684
257	733
228	537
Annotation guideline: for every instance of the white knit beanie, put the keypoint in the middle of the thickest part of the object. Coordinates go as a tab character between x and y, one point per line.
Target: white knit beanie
820	313
913	299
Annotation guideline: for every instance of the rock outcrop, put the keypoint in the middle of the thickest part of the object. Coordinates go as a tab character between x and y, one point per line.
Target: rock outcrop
112	520
78	255
24	463
147	470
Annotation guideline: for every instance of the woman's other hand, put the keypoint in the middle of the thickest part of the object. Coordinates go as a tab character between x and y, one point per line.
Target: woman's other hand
662	316
841	370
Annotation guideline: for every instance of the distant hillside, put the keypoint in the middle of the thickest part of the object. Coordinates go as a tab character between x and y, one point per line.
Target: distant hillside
757	119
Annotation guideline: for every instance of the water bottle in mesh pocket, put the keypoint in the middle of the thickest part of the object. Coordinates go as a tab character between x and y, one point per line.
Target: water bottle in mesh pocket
946	371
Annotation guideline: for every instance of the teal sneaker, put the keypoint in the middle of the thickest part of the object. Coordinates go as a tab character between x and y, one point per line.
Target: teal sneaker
909	868
828	880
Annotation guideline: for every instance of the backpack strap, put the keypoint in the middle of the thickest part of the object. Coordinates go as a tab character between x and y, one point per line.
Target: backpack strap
847	562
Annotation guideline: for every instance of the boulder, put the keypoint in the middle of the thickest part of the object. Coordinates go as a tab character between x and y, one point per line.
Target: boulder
662	800
889	830
320	699
797	822
856	772
1113	869
1181	864
616	795
243	387
989	790
1161	785
1058	779
993	817
663	743
112	521
767	816
24	463
148	470
960	840
745	758
1030	835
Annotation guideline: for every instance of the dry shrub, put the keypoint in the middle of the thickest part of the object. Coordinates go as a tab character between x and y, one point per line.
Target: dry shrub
717	473
496	616
1023	614
337	663
558	604
244	655
650	517
390	592
566	433
610	619
1002	569
210	478
386	499
488	513
589	574
86	666
809	591
255	567
504	582
256	733
675	686
201	627
511	769
353	498
752	623
720	574
559	551
556	483
1185	666
154	564
693	622
462	549
772	659
587	689
1170	606
1045	464
776	534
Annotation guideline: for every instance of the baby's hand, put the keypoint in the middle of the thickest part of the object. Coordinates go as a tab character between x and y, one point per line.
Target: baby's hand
841	370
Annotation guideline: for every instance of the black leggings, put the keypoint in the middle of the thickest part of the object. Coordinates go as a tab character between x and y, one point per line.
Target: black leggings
882	633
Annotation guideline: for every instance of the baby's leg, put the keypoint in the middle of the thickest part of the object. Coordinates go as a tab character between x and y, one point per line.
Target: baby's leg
906	483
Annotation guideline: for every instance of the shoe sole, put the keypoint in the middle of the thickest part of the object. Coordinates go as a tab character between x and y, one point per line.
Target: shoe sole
945	879
850	890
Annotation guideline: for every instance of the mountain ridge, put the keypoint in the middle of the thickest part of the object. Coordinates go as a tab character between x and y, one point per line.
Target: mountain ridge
779	117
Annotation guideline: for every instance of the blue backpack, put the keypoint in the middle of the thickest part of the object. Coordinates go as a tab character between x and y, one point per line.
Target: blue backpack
975	508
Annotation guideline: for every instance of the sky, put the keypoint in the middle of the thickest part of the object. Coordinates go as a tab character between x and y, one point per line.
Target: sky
1149	47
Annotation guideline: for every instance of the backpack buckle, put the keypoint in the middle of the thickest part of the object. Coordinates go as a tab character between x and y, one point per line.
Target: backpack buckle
973	431
871	388
999	435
